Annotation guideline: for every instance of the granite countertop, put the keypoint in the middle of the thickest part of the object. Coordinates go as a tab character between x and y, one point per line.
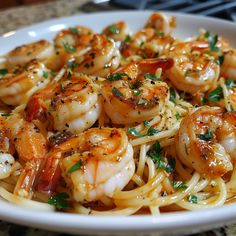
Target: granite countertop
17	17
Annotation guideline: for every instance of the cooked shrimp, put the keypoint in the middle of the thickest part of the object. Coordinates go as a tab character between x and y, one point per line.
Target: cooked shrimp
7	150
228	68
76	37
102	58
41	50
105	160
117	31
147	43
192	72
134	94
18	85
70	104
161	22
206	141
31	147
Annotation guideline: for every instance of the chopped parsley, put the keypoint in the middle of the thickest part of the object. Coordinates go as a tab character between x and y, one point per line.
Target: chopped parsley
62	87
76	166
74	30
230	83
150	132
151	77
146	123
221	59
155	153
179	185
116	76
142	101
192	199
59	200
127	39
6	114
159	33
137	92
170	165
3	72
69	48
203	101
45	74
117	92
216	95
212	40
177	115
172	94
207	136
114	29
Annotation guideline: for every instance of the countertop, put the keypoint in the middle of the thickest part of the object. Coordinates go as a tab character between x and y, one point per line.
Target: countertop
17	17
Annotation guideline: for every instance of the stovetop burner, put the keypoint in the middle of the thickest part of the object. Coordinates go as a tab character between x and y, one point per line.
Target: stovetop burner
225	9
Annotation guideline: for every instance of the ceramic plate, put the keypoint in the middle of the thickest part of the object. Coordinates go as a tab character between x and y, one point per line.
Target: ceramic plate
171	223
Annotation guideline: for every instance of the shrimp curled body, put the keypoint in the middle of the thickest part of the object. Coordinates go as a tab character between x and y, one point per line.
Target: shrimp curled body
206	141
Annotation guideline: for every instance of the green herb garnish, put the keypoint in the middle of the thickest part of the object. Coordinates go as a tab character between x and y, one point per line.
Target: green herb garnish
207	136
203	101
172	94
192	199
170	165
127	39
151	77
155	153
117	92
69	48
177	115
212	40
179	185
3	72
137	92
62	87
159	33
116	76
146	123
59	200
74	30
134	132
45	74
151	131
6	114
114	29
142	101
230	83
216	95
76	166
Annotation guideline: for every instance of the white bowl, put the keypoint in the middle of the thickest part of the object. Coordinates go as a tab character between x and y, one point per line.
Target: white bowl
171	223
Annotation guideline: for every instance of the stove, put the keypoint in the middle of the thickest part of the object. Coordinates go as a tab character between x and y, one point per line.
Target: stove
224	9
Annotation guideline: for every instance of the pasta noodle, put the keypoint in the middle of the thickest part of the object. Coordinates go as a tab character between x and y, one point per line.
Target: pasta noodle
119	123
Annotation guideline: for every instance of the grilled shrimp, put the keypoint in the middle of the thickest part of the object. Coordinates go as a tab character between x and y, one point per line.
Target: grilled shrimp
133	93
70	104
76	37
147	43
101	59
206	141
7	150
117	31
228	68
18	85
41	50
97	163
31	147
161	22
192	72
